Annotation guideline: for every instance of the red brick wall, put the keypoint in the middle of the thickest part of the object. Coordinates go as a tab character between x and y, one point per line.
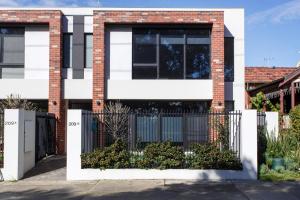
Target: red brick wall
216	18
53	19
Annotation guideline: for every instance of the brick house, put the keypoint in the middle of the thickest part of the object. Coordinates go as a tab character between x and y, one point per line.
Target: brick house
280	85
82	58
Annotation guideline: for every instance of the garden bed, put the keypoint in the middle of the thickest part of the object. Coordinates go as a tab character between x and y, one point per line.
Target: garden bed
162	156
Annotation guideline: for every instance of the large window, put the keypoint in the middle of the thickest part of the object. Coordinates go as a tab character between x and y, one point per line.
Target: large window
171	54
12	47
88	58
229	59
68	46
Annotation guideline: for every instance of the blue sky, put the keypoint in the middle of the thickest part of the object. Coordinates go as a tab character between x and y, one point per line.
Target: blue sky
272	35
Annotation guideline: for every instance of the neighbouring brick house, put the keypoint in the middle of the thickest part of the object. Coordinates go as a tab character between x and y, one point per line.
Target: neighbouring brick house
81	58
257	76
280	85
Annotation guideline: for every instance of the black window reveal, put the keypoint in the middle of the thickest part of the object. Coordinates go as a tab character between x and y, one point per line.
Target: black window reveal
67	48
169	53
229	106
229	59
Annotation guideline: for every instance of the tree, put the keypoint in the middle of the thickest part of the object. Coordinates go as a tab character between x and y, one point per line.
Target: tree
15	102
116	120
260	102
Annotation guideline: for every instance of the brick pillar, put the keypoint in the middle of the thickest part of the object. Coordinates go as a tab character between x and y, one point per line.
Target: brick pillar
98	63
217	64
293	96
56	102
281	101
99	71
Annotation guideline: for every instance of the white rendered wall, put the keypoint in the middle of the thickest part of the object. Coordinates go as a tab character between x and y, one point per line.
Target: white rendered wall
78	89
36	52
272	123
19	143
234	27
119	53
26	88
160	89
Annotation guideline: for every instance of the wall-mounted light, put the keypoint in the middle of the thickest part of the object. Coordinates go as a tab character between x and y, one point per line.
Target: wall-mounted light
98	102
219	103
54	103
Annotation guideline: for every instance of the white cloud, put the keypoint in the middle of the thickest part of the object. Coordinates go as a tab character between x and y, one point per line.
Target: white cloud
278	14
49	3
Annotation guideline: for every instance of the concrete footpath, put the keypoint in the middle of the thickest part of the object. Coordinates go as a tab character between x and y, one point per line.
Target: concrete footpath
162	189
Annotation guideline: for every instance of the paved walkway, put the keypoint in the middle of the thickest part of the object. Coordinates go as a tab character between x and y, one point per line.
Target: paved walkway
146	190
52	168
47	181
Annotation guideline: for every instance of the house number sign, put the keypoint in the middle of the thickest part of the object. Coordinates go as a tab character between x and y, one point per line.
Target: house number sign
10	123
73	123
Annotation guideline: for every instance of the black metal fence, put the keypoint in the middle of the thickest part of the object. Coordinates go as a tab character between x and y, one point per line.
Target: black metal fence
1	139
140	129
45	135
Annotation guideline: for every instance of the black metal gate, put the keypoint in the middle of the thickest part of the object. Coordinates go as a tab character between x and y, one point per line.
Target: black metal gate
261	137
1	139
44	135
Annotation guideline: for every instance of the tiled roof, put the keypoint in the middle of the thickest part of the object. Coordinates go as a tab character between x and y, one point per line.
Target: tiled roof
266	74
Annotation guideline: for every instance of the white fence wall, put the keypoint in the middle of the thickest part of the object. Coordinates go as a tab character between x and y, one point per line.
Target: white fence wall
248	157
272	123
19	143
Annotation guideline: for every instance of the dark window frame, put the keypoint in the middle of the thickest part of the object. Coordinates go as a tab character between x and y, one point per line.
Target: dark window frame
231	77
63	59
85	46
158	31
2	35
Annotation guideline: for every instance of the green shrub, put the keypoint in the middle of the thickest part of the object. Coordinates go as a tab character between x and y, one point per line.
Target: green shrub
209	156
162	156
274	147
113	157
295	121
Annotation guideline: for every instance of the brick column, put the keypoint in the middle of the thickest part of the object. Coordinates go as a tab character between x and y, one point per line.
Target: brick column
293	96
217	64
98	62
56	101
281	101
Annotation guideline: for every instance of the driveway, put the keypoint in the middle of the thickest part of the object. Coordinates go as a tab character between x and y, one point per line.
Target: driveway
144	190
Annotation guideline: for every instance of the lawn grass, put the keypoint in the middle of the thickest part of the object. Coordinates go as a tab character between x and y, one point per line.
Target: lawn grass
280	176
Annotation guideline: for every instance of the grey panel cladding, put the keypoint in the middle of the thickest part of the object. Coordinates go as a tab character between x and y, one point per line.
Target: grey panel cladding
78	47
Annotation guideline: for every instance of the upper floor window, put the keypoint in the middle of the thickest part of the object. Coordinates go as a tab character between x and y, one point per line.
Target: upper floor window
229	59
12	47
171	54
88	58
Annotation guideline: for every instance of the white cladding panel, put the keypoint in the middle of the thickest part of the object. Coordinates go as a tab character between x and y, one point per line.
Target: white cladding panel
36	53
78	89
26	88
119	53
234	23
160	89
